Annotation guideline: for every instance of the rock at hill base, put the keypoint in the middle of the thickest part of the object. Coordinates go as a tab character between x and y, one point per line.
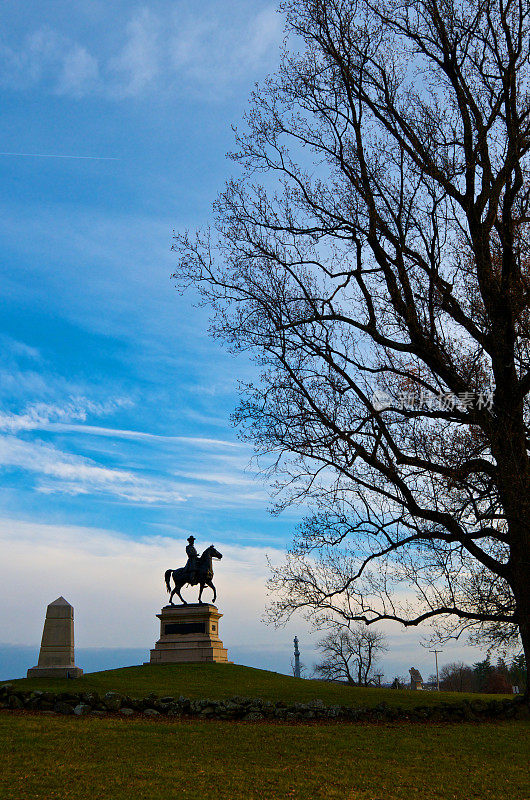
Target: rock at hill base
112	701
82	709
63	708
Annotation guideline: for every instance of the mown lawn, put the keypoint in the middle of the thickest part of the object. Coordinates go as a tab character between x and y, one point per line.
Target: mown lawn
218	681
45	757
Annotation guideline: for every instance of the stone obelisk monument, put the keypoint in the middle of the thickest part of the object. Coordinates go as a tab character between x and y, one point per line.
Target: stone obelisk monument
56	657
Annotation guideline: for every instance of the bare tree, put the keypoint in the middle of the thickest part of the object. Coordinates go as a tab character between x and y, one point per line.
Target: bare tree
456	677
380	273
350	654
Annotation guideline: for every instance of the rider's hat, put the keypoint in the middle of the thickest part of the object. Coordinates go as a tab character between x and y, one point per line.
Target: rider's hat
191	538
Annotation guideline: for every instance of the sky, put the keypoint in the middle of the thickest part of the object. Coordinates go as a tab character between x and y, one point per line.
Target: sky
115	435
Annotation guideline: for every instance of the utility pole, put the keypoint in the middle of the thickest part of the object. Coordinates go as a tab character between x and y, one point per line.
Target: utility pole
436	657
296	658
378	676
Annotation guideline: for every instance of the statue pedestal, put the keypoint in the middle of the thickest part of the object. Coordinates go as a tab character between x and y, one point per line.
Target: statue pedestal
189	634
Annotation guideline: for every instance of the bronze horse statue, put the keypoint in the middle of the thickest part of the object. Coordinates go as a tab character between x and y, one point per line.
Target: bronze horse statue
202	574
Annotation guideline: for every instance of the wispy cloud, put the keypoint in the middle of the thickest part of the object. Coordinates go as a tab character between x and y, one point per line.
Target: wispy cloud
47	57
68	473
56	155
213	50
139	64
213	467
168	51
78	73
19	349
57	471
59	418
42	416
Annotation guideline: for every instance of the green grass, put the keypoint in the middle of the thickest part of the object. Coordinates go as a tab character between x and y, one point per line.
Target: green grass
218	681
46	757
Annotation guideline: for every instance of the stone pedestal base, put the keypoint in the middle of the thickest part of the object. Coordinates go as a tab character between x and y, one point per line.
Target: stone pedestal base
55	672
189	634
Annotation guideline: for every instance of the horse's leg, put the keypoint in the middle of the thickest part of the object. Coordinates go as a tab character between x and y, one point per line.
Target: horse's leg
203	584
210	584
171	591
177	589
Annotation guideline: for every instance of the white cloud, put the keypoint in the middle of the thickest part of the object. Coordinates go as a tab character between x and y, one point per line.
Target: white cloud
79	72
58	418
45	56
15	382
264	34
198	48
137	65
212	52
68	473
223	478
116	585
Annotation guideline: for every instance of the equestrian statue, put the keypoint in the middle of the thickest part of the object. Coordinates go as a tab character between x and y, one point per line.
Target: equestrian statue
198	570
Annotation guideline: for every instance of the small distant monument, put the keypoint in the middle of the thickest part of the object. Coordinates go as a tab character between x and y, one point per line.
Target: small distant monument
190	632
56	657
416	681
296	658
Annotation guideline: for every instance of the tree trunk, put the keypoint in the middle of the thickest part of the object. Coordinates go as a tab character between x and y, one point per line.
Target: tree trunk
511	453
521	590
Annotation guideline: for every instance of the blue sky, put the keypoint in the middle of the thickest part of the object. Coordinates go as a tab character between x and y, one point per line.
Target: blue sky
93	334
115	440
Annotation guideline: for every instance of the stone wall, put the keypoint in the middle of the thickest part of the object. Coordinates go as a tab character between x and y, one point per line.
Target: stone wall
251	709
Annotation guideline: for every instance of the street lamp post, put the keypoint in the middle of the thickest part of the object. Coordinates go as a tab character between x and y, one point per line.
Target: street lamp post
436	657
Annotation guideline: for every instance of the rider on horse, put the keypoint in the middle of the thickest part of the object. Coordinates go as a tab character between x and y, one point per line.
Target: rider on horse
198	569
191	564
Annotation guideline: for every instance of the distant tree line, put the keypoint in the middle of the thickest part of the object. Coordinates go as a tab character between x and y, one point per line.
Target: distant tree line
484	676
350	655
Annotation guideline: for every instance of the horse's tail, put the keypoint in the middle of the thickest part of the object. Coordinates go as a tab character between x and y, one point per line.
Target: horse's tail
167	576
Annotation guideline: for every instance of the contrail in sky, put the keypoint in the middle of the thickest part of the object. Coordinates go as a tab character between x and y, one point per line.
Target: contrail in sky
52	155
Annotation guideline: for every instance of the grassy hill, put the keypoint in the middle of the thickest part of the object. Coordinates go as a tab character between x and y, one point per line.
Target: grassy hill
219	681
154	759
